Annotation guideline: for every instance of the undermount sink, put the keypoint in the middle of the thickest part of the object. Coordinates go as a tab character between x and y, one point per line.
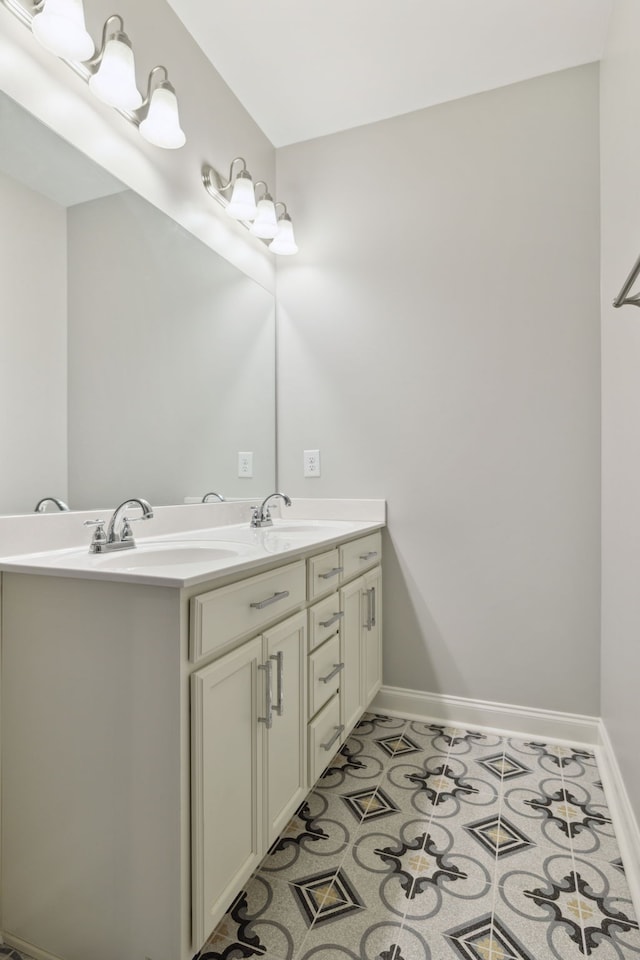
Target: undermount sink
172	554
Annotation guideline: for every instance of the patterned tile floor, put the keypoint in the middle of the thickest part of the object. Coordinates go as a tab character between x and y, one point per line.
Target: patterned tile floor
424	842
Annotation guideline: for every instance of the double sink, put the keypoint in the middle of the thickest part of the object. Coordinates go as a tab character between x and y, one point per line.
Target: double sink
190	557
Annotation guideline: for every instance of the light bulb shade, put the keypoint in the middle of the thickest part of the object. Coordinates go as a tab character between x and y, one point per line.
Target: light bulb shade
242	205
265	224
284	243
161	126
115	80
60	27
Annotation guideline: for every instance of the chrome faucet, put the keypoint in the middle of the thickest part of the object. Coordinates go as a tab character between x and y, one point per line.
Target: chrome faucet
261	516
119	535
41	505
213	494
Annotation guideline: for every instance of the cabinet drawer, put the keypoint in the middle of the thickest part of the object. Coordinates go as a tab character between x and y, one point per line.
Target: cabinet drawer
325	669
325	733
324	620
323	573
358	555
228	613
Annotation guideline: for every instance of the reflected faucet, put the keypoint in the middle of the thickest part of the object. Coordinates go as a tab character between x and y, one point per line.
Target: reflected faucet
41	505
213	494
119	535
261	516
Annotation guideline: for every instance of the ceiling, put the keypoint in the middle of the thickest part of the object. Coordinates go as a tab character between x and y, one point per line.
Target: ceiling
306	68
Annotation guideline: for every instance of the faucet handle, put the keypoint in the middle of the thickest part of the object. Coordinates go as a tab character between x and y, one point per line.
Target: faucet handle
99	536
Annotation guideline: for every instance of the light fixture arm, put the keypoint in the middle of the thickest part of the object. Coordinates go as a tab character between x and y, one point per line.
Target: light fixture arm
622	297
223	187
266	194
284	213
152	85
107	35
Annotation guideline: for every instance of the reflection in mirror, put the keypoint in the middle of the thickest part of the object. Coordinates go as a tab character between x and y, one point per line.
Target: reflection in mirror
135	361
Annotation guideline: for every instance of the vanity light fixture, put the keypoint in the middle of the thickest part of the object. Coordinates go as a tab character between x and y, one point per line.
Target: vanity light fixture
113	79
242	205
284	242
260	218
59	26
161	123
265	224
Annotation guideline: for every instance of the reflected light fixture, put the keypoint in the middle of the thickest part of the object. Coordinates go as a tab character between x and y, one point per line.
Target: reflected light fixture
161	124
114	79
284	242
260	218
60	27
265	224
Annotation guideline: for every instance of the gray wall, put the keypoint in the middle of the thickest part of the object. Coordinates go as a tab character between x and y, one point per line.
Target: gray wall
33	352
621	393
439	342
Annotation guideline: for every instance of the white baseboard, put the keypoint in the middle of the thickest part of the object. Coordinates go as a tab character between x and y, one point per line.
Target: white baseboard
624	820
502	718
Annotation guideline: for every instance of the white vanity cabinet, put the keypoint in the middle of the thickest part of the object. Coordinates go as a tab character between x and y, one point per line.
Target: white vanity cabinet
248	761
141	784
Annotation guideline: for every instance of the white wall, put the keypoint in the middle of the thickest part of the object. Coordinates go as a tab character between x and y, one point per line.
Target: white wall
33	351
439	342
620	90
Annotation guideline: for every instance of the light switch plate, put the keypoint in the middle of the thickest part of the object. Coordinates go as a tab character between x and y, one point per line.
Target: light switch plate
245	463
311	463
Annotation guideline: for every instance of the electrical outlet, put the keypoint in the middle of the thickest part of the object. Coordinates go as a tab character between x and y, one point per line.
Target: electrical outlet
245	464
311	463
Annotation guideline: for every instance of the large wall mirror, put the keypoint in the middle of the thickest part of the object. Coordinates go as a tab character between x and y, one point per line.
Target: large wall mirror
134	361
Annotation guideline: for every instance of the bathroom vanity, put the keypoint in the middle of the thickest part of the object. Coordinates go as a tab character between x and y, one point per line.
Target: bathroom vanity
162	723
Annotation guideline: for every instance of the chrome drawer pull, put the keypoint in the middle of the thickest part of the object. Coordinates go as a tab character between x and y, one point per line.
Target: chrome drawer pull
268	720
332	620
261	604
369	556
279	658
331	573
330	743
337	667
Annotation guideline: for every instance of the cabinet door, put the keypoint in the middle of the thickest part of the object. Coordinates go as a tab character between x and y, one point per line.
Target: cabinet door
285	767
353	604
371	636
227	802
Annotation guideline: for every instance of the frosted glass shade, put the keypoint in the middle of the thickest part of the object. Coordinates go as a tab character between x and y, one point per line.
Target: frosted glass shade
60	27
161	126
115	80
265	224
242	205
284	243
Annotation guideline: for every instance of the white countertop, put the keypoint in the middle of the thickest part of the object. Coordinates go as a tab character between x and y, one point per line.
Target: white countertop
184	558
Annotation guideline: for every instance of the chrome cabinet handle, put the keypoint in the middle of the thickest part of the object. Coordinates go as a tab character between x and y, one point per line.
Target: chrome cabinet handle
332	620
337	667
369	556
268	720
261	604
330	743
371	616
279	658
331	573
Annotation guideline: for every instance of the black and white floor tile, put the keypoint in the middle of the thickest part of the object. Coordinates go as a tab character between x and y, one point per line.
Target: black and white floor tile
427	842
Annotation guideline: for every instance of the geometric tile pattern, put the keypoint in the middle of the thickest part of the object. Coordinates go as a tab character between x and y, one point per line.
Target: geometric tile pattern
430	841
498	836
504	767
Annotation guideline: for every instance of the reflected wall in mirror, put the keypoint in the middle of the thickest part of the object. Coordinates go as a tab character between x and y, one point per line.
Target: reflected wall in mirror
134	360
